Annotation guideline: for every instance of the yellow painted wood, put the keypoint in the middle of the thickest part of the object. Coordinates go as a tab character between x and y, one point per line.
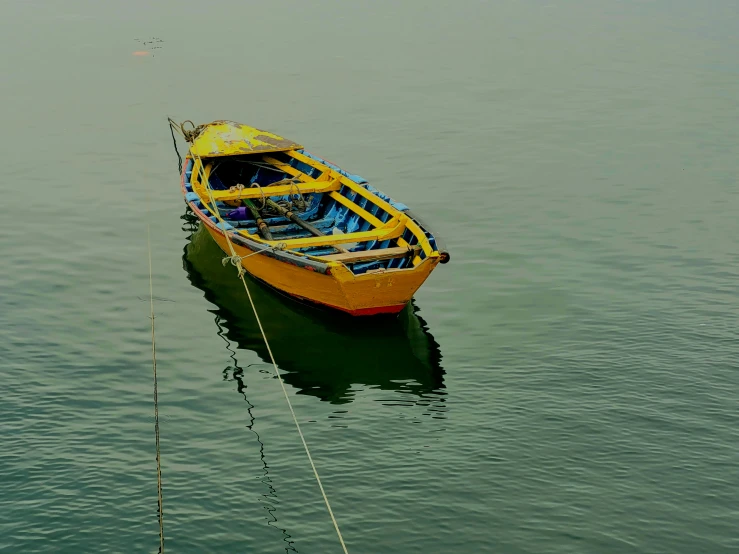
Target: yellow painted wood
277	190
341	289
393	286
346	181
341	199
416	258
307	160
372	255
423	241
287	168
328	240
198	180
359	189
228	138
286	277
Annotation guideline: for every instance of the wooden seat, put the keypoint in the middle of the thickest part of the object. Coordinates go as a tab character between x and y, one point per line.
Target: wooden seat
374	255
276	190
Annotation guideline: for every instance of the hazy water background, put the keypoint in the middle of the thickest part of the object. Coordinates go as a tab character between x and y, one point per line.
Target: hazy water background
580	157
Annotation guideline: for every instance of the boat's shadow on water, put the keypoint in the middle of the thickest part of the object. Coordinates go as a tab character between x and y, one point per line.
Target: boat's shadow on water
325	354
328	355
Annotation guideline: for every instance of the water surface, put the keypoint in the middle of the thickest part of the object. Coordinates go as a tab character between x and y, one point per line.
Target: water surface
566	384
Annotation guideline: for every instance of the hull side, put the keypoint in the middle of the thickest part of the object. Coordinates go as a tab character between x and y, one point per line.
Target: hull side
358	295
367	294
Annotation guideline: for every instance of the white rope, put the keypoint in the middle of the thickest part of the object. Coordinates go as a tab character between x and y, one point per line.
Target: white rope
295	419
156	397
236	260
234	256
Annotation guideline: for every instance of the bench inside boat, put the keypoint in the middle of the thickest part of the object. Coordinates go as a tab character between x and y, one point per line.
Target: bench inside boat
357	225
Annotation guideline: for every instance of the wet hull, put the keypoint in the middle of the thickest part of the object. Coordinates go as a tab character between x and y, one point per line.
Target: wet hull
339	289
370	254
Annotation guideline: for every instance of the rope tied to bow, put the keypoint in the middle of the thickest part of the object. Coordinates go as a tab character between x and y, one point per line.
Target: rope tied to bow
235	260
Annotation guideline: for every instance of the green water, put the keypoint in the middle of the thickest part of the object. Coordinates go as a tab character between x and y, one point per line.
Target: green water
567	384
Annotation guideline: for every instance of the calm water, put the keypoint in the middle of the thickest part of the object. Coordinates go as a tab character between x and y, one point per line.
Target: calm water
567	384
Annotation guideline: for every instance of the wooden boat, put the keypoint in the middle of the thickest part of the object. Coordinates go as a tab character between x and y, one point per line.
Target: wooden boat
316	232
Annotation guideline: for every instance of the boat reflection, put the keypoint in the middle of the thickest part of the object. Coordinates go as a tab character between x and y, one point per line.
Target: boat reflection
320	353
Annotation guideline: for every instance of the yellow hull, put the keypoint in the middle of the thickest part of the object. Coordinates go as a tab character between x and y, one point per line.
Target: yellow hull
372	254
366	294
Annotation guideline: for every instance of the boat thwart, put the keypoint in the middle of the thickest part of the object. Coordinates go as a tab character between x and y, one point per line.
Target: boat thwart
317	232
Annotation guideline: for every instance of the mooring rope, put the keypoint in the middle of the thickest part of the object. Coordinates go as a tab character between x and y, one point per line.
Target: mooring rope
156	396
179	158
241	272
236	260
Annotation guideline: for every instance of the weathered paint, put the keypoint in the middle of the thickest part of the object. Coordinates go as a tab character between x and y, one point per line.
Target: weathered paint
278	190
228	138
313	278
340	289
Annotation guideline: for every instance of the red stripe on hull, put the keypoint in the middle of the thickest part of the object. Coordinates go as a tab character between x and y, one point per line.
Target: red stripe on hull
377	311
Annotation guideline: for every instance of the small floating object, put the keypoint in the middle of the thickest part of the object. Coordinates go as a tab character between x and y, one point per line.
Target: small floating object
141	53
333	239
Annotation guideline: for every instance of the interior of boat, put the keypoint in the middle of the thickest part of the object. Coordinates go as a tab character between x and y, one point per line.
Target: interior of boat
311	206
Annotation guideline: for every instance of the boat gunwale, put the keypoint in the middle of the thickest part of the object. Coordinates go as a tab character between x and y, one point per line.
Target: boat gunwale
403	219
293	258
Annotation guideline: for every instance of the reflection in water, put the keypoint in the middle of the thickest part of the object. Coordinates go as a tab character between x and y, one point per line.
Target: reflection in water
321	353
236	373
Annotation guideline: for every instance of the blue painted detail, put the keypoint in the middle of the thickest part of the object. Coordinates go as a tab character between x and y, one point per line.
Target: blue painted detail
191	197
301	166
314	202
366	224
317	251
383	216
352	223
223	226
188	171
281	256
269	177
188	187
215	182
332	206
356	178
397	205
213	218
342	211
365	266
324	224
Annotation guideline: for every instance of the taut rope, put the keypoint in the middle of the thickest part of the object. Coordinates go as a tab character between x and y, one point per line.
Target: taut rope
189	137
156	397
